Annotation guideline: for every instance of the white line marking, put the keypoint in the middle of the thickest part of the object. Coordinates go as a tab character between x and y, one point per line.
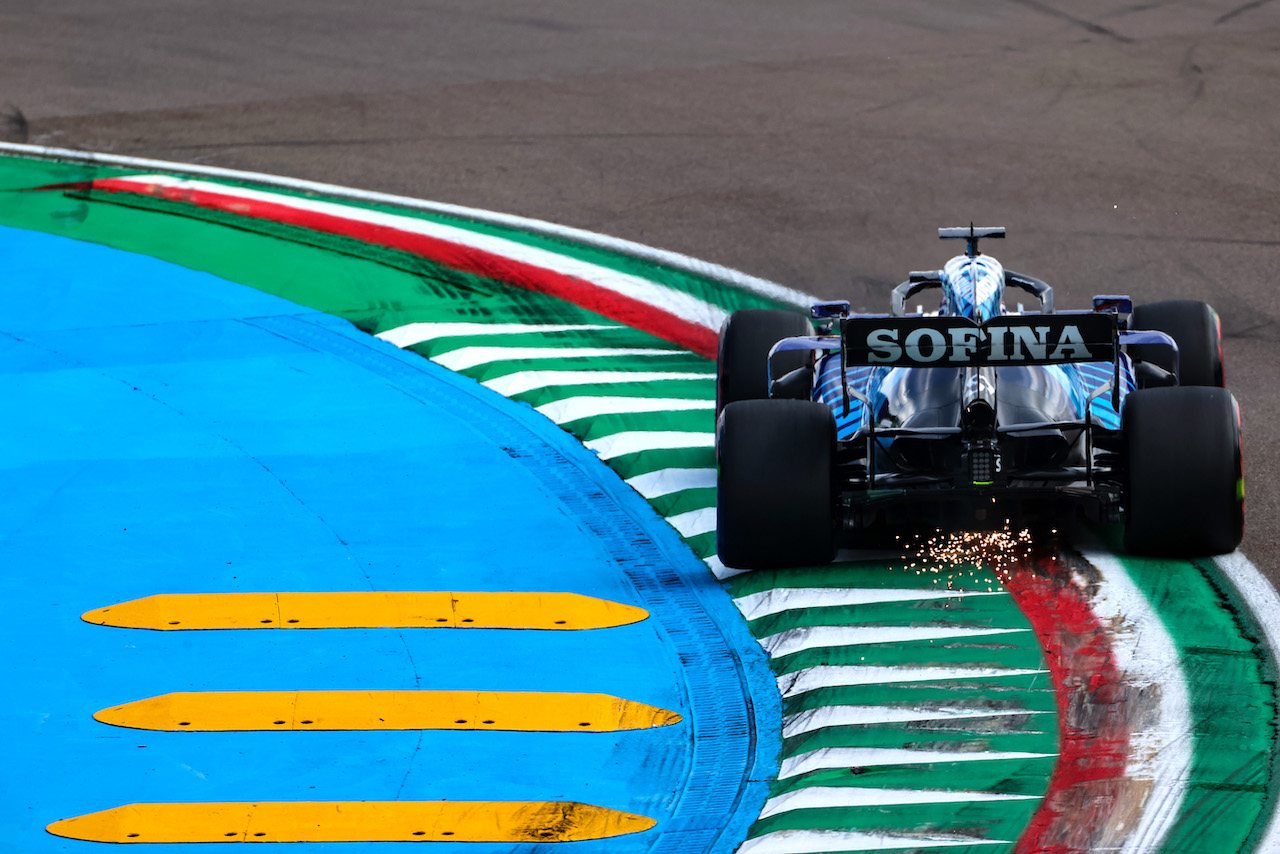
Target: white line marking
415	333
781	599
833	675
1264	603
573	408
513	384
1160	743
825	716
666	481
618	444
841	841
695	522
471	357
874	757
822	797
818	637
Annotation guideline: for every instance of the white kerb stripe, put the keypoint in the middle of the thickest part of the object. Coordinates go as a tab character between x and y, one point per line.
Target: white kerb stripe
1161	743
471	357
694	522
836	675
513	384
666	481
781	599
842	841
1264	603
823	797
825	716
818	637
874	757
573	408
719	570
415	333
670	300
618	444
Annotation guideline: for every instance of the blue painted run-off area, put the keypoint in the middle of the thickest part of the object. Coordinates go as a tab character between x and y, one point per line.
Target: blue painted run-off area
166	431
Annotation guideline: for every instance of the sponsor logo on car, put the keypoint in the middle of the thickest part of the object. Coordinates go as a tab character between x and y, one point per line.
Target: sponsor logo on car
955	341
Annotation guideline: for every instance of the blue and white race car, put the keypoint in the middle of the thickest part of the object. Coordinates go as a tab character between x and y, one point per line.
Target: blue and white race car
973	415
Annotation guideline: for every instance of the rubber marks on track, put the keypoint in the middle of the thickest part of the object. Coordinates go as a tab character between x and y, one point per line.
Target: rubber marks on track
353	821
367	610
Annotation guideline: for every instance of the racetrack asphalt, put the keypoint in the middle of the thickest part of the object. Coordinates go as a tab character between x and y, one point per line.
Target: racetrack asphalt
1128	147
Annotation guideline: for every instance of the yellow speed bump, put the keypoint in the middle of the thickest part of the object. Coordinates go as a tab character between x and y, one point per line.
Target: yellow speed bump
241	711
366	610
354	821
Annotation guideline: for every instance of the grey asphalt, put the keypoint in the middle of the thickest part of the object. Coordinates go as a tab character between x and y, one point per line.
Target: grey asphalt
1127	147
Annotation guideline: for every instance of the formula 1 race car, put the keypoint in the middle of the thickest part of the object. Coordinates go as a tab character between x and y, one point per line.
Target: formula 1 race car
973	416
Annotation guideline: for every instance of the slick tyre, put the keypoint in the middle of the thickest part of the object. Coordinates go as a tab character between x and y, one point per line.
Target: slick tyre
1184	494
776	491
1195	326
742	364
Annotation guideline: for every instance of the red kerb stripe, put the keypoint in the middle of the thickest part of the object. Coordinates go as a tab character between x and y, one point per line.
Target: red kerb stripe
1087	783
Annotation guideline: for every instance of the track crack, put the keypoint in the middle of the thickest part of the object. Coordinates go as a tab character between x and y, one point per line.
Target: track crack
1091	26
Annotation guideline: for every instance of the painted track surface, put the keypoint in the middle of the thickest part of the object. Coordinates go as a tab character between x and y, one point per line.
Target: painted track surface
177	433
1234	778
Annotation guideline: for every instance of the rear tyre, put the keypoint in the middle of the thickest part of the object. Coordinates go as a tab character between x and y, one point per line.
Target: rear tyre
742	365
775	501
1195	326
1185	489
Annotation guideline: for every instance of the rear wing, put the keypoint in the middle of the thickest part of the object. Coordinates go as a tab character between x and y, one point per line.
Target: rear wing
956	342
934	342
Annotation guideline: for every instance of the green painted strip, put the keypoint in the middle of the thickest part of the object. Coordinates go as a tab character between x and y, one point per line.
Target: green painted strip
1033	692
684	501
703	545
619	337
643	462
1029	738
886	573
677	362
982	819
1232	681
699	389
919	654
980	612
693	421
1019	777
